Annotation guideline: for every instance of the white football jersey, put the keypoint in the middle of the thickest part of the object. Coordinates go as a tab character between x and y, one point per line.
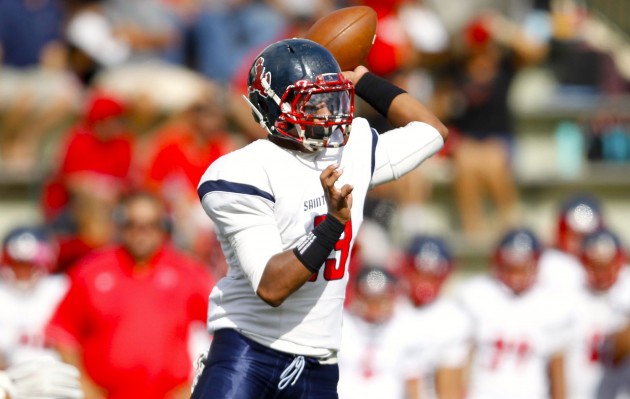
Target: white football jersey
377	359
441	340
24	314
560	271
265	199
513	338
596	317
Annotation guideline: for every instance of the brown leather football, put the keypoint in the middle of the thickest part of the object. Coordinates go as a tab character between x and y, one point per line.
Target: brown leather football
348	33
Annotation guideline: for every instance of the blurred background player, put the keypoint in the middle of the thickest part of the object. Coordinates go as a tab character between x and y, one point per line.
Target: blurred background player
377	340
443	330
29	294
560	266
28	297
127	318
591	371
519	328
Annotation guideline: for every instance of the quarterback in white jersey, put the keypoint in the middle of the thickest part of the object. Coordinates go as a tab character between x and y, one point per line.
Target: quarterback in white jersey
287	210
592	372
519	327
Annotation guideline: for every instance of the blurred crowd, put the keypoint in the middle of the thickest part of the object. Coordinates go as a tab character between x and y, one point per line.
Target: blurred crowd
115	108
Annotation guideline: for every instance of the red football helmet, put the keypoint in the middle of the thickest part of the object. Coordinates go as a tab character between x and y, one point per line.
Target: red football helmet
602	258
515	260
428	263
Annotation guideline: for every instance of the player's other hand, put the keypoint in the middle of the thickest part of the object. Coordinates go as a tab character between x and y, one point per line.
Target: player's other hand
339	200
356	75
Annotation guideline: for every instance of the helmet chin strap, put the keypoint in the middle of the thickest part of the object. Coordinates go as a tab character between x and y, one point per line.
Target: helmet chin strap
261	120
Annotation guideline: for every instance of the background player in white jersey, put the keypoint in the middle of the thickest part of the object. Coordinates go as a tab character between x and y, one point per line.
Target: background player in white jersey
443	329
287	210
592	370
519	327
28	293
560	266
28	296
378	341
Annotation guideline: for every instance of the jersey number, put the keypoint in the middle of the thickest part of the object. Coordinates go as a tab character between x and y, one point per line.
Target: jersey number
332	269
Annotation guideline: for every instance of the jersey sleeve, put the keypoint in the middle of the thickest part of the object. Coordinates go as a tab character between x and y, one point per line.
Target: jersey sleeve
401	150
242	209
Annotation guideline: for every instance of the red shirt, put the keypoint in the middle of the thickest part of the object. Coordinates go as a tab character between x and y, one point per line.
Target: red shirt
179	158
85	152
131	325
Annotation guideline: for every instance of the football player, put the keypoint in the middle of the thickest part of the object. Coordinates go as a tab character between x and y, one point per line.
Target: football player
560	266
593	372
378	340
29	295
443	348
518	327
28	292
287	210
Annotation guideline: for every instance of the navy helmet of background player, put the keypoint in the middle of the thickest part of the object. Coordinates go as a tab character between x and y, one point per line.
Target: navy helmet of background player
28	251
427	264
579	215
602	256
299	95
375	293
515	259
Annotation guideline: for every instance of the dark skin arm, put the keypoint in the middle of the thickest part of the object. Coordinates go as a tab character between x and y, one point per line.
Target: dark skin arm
284	273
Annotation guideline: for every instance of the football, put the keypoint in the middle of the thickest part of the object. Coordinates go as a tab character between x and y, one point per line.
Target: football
348	33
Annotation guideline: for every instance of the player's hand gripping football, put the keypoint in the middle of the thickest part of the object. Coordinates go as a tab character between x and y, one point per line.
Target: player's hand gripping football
339	200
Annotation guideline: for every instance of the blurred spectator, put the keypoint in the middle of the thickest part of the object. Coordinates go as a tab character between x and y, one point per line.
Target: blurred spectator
126	320
494	48
520	329
443	353
377	340
29	294
110	33
179	154
591	371
94	170
37	92
392	49
229	31
560	266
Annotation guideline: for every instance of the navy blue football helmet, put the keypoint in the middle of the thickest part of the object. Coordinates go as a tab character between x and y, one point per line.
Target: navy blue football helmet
30	245
515	260
428	263
602	256
297	93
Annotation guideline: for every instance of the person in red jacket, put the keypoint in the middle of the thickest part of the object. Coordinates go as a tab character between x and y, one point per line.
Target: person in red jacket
126	321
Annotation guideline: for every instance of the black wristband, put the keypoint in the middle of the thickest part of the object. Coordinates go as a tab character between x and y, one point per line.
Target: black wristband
315	248
377	92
